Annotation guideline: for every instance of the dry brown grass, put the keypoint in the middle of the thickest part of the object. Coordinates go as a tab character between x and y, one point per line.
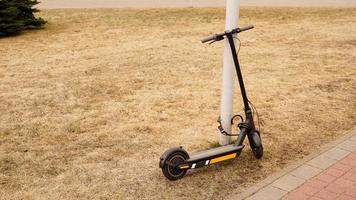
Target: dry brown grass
89	103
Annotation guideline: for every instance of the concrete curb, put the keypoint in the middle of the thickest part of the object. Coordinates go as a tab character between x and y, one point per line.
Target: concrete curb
280	183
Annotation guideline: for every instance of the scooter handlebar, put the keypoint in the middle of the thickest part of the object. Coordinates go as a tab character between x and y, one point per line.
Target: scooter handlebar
210	38
245	28
218	37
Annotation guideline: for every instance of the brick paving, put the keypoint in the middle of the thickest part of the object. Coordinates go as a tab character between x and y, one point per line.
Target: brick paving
329	174
336	182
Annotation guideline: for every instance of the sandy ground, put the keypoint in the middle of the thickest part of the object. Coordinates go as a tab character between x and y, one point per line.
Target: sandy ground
185	3
89	104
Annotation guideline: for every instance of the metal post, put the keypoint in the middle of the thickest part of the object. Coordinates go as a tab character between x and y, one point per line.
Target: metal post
232	17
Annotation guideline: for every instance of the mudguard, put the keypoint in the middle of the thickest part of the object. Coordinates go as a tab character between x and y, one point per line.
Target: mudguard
166	154
254	139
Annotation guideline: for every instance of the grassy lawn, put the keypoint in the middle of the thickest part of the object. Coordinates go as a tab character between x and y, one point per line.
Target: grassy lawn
90	103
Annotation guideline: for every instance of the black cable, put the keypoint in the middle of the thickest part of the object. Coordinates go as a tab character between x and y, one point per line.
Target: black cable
238	51
237	115
253	106
222	131
258	116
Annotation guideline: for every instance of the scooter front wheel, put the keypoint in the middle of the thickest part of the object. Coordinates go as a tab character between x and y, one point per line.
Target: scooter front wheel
256	144
170	166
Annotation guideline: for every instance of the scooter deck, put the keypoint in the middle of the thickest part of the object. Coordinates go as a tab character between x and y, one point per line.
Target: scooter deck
212	156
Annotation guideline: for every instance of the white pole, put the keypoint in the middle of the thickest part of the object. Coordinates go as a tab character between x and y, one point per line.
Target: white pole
229	73
191	3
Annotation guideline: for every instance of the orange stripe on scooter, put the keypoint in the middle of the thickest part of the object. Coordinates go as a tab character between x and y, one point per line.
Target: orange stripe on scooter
222	158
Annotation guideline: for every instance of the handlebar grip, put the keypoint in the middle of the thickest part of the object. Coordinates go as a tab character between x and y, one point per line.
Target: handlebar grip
210	38
248	27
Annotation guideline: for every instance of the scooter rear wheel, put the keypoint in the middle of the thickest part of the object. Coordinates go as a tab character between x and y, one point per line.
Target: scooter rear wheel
169	168
256	144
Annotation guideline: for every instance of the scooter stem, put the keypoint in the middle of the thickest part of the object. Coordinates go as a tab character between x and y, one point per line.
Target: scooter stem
238	72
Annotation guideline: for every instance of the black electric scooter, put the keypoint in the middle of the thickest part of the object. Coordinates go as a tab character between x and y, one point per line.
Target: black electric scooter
176	161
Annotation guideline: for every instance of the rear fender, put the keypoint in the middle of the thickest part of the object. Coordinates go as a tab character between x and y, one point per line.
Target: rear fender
167	153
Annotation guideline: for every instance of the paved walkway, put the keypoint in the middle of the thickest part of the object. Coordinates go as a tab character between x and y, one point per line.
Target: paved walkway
330	174
336	182
184	3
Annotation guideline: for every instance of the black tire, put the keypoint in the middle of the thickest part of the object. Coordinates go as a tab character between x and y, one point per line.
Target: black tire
173	173
256	144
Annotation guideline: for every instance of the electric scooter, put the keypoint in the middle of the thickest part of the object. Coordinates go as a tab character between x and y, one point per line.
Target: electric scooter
175	162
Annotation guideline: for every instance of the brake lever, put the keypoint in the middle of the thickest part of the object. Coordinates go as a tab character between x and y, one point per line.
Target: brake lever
217	39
